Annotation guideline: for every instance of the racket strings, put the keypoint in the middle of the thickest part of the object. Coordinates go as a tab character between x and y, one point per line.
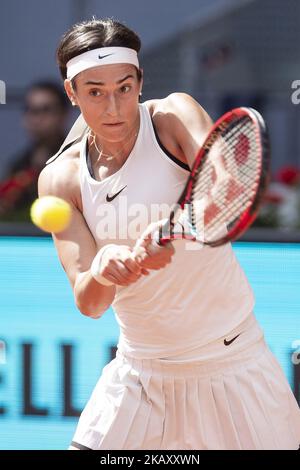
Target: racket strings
226	182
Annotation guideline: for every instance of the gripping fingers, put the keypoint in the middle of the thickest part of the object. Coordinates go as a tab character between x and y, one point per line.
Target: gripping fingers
121	273
164	251
132	265
139	254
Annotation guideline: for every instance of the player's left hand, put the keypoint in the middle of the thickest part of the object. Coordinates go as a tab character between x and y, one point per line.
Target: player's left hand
149	254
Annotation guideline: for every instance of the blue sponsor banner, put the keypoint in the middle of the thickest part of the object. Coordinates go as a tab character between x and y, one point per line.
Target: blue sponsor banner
51	356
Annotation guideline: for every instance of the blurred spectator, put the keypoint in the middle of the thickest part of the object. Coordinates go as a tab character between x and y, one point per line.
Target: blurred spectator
282	202
45	114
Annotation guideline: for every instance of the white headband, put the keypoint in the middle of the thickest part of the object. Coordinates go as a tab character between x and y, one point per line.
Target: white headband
101	56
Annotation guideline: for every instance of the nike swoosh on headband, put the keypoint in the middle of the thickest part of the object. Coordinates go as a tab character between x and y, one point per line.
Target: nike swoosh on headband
103	56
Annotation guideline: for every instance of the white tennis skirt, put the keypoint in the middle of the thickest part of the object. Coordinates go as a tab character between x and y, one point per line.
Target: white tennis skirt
242	401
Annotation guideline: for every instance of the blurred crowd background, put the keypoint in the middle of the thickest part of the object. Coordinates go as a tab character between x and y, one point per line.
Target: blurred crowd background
225	53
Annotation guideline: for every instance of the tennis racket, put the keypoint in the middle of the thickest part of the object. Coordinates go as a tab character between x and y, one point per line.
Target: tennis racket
226	184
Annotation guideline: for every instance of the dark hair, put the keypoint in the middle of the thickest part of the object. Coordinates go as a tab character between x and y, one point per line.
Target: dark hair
52	87
89	35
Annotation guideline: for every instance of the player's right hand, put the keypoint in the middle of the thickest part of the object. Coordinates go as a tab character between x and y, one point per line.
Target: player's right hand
119	266
149	254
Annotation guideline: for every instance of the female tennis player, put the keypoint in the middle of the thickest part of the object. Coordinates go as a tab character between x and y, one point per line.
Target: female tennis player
192	370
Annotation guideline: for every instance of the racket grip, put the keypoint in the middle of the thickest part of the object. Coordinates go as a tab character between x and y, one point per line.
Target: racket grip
157	240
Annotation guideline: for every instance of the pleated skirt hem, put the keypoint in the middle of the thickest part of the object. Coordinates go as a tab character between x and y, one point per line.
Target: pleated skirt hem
241	402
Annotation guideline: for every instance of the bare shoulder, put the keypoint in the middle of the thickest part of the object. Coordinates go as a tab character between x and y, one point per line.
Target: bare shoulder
179	106
182	124
61	177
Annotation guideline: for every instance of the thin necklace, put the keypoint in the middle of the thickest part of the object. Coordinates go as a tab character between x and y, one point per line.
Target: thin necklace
101	153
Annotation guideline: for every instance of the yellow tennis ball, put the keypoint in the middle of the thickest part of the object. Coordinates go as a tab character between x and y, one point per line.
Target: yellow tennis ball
51	213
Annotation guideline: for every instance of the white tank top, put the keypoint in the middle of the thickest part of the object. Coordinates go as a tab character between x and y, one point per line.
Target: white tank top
200	296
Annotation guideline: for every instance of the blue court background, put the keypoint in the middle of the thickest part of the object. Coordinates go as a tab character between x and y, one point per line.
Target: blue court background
37	307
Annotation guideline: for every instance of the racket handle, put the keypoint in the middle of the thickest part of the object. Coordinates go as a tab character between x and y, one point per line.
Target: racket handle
157	238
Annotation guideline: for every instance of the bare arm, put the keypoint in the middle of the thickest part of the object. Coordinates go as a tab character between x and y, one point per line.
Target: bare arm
76	246
182	125
76	249
190	126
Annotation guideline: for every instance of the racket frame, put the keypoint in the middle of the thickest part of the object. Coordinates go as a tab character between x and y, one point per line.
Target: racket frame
166	232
